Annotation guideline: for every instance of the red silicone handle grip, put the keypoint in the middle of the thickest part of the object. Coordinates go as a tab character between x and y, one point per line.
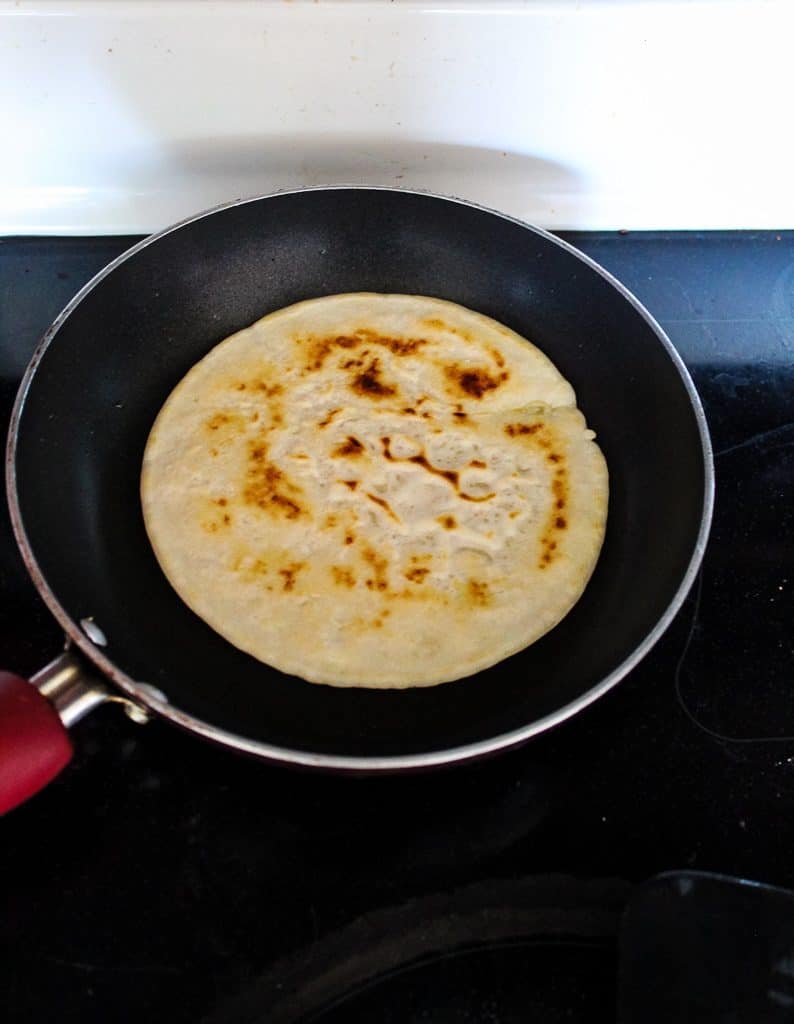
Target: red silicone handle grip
34	745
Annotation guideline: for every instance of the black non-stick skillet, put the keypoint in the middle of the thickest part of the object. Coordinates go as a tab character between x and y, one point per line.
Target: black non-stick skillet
104	368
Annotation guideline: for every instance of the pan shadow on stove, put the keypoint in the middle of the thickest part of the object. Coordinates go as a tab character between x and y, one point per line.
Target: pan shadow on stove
249	165
334	109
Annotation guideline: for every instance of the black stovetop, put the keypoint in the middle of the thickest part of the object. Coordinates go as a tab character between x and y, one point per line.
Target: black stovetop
162	879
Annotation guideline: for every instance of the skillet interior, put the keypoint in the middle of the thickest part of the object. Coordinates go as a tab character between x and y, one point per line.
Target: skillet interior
117	355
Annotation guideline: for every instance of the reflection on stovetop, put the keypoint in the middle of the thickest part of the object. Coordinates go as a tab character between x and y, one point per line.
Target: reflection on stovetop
684	946
746	584
542	948
161	878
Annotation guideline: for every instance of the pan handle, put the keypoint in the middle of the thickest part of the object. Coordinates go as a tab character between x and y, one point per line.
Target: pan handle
34	716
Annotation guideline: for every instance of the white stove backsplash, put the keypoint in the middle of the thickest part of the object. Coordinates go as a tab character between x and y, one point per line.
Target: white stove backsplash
127	115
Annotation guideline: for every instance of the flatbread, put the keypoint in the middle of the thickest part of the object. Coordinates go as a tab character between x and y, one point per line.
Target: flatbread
375	490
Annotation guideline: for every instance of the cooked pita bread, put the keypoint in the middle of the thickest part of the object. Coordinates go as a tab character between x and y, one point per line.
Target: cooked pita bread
375	490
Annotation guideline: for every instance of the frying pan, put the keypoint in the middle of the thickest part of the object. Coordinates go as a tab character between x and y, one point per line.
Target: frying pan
107	364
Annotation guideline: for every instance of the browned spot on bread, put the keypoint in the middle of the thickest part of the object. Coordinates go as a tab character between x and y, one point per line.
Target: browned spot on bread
349	448
478	593
450	475
447	474
349	538
288	574
370	384
397	346
214	452
267	487
518	429
482	497
321	348
417	574
414	593
330	521
349	364
448	522
218	522
343	576
497	357
240	386
379	566
539	434
352	484
384	505
328	417
436	323
401	346
473	381
267	389
477	464
559	487
249	570
223	419
409	411
556	522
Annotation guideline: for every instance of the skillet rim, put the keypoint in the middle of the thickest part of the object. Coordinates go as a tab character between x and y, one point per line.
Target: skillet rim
144	694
